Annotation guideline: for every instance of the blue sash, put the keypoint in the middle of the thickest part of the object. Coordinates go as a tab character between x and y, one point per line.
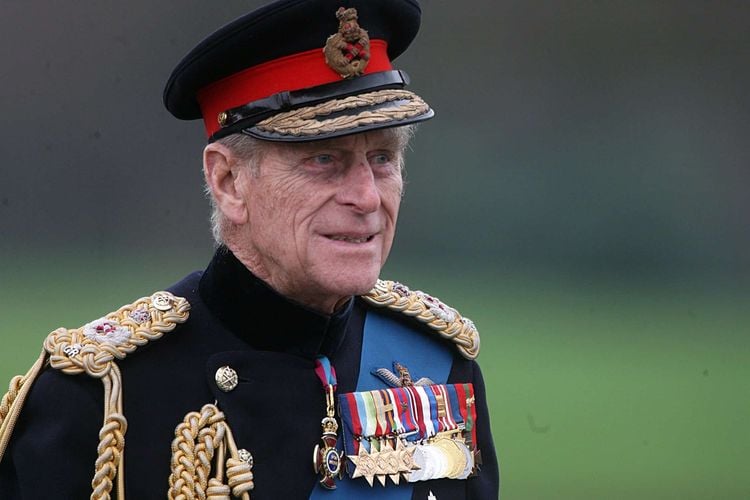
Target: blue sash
384	341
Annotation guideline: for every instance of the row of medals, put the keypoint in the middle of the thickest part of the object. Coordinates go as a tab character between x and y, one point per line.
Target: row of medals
445	455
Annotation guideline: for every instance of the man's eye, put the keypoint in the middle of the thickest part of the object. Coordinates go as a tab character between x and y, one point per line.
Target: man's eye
323	159
380	159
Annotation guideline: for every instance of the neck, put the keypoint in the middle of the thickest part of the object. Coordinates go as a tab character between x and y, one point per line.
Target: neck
282	284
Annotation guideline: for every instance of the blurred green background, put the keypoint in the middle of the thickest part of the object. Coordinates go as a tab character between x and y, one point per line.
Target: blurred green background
582	195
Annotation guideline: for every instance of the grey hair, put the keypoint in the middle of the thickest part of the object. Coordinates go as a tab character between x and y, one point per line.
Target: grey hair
250	150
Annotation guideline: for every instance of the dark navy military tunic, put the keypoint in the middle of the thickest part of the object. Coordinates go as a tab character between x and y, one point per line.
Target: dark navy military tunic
274	412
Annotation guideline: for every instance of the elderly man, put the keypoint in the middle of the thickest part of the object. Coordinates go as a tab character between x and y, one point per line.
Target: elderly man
286	369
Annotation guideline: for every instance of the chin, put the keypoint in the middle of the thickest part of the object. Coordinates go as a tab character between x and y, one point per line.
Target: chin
353	281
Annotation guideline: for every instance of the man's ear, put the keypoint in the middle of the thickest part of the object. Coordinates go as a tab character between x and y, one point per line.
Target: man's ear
222	172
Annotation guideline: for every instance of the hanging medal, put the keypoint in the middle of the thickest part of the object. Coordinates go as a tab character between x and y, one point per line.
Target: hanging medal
327	460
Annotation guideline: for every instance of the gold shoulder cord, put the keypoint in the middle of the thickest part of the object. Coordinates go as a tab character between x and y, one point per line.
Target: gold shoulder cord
444	320
203	439
93	349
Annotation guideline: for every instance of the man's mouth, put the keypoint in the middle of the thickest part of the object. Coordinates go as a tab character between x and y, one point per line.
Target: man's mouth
350	239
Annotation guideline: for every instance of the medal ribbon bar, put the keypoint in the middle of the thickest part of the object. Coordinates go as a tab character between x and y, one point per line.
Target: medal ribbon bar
414	433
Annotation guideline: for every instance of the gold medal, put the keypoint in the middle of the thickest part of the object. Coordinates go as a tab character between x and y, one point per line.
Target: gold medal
456	459
364	464
394	467
386	463
381	465
327	460
405	455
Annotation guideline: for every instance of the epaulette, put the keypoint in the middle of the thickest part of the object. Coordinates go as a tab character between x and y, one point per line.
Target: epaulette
93	349
444	320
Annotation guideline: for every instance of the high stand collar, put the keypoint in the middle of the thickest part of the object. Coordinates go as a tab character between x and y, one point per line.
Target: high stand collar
265	319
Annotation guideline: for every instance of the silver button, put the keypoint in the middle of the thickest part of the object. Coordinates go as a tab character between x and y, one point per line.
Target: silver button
72	350
226	378
161	301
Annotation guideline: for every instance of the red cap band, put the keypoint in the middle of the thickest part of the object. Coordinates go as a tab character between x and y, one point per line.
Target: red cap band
288	73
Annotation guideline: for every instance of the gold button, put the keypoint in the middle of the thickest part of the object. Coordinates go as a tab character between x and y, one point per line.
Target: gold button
226	378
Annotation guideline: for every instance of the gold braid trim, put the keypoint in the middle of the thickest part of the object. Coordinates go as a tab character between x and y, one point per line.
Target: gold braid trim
202	440
303	121
93	349
445	320
15	386
12	402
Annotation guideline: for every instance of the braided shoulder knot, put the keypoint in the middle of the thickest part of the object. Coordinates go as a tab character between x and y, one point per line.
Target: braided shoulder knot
93	349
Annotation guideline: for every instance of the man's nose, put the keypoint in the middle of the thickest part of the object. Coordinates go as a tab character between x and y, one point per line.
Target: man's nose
359	189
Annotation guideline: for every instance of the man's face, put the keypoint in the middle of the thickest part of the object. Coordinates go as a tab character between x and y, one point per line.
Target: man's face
322	215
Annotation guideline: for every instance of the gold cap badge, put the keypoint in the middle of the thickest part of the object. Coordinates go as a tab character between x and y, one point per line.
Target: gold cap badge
348	51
